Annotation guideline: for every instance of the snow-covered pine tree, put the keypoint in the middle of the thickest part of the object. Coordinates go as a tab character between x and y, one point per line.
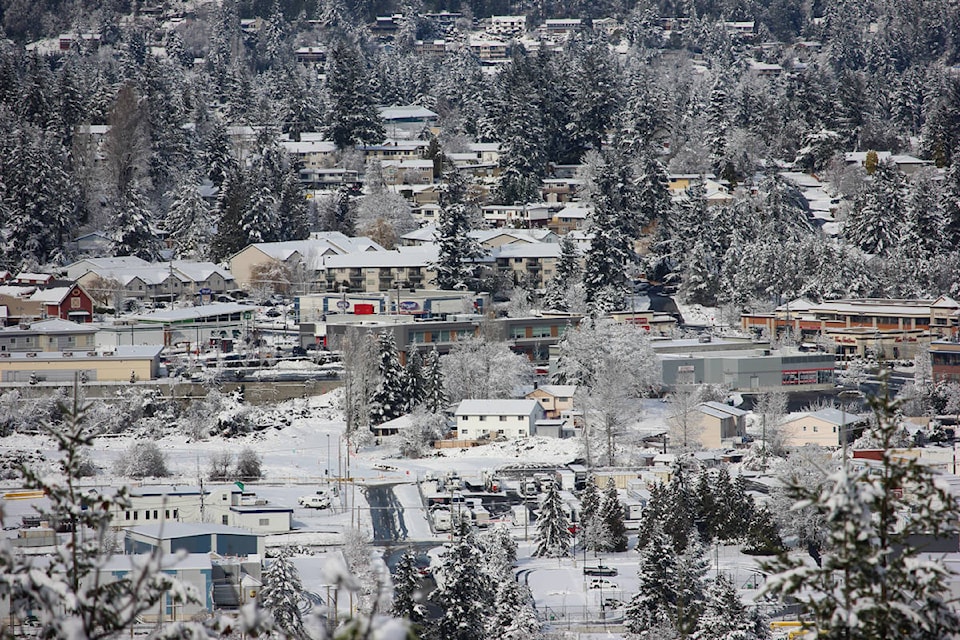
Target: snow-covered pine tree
72	595
416	388
875	582
456	248
500	551
718	125
514	615
553	527
652	516
564	276
922	230
762	534
706	508
281	593
133	233
680	508
406	585
388	400
435	398
725	617
216	153
649	608
701	278
612	515
589	512
595	97
872	222
188	221
949	205
609	252
352	116
466	596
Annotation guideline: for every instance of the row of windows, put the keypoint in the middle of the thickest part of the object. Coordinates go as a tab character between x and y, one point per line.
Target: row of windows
500	432
484	418
155	513
815	376
816	429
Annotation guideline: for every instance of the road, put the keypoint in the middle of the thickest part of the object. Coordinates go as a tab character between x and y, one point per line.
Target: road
386	514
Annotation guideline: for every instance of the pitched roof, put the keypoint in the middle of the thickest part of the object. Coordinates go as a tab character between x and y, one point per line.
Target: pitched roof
417	256
496	407
559	390
719	407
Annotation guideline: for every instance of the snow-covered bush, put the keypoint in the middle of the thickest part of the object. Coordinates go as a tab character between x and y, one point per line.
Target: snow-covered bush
249	465
143	460
22	415
424	428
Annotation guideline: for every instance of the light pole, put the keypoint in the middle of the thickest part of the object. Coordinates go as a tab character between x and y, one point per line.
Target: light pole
328	458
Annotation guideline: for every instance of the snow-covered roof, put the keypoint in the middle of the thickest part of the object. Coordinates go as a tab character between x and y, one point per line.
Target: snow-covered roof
423	234
199	271
528	250
412	112
171	530
26	276
414	163
317	246
51	325
194	313
417	256
836	417
577	211
559	390
17	291
723	408
496	407
53	295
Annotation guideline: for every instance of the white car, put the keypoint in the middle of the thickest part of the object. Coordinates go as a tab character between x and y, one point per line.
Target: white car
603	584
314	502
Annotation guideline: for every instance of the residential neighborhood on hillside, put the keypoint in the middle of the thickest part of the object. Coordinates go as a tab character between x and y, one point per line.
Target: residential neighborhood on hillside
479	319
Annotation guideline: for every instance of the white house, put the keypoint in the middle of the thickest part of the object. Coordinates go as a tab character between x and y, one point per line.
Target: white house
498	418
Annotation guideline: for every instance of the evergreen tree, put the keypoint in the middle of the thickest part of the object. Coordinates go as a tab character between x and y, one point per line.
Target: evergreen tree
874	581
466	595
133	233
388	401
188	221
456	248
406	584
725	617
216	154
335	213
553	527
762	535
872	222
595	97
414	376
707	511
653	195
435	398
281	593
612	515
650	607
564	276
922	231
651	520
352	117
680	509
949	205
616	224
589	513
718	125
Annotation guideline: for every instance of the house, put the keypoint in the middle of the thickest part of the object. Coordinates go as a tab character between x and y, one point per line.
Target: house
27	302
714	423
48	335
296	255
572	216
532	263
409	121
508	25
407	171
516	215
150	504
554	398
825	428
110	279
406	267
510	419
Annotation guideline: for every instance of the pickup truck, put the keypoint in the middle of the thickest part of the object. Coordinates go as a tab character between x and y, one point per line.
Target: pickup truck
314	502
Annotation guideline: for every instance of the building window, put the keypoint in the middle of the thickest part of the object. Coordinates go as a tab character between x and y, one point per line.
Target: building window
225	519
503	418
176	513
155	516
135	514
522	432
166	514
816	429
483	418
464	432
264	522
500	432
126	515
146	514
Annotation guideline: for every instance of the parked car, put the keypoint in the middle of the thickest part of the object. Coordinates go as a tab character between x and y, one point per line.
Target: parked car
600	570
314	502
600	583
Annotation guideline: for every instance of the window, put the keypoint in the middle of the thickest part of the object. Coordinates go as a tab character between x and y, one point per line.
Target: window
542	331
126	515
264	522
522	432
155	516
135	514
225	519
834	429
500	432
503	418
166	514
464	432
483	418
804	428
816	429
176	514
146	514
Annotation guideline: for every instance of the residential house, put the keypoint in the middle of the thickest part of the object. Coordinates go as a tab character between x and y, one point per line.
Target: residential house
508	25
393	150
54	334
407	171
556	399
299	256
129	277
517	215
478	418
406	267
23	303
489	50
571	217
531	263
409	121
909	165
825	428
236	507
714	423
312	151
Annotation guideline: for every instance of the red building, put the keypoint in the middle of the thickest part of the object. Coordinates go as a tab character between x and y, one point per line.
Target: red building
70	302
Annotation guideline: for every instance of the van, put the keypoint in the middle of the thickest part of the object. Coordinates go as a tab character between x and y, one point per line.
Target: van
314	502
